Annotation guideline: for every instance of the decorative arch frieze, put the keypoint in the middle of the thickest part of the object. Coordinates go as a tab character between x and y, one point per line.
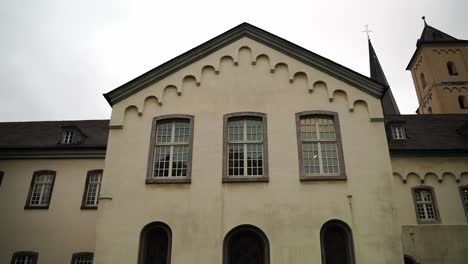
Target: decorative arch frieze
424	176
179	80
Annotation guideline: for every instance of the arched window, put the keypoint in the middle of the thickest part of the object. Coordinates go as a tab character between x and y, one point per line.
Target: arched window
246	244
462	102
24	257
155	244
452	70
423	80
337	243
409	260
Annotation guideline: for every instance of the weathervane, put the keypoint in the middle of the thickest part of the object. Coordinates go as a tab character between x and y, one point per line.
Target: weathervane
367	31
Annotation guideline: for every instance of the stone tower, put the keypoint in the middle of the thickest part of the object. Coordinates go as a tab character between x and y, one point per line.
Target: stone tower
439	68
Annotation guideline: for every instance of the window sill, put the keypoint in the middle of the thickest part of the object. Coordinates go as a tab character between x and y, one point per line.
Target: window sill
185	179
42	207
230	179
84	207
323	178
428	222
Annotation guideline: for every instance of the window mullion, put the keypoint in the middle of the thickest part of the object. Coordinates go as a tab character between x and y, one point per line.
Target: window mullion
319	146
41	193
245	147
171	151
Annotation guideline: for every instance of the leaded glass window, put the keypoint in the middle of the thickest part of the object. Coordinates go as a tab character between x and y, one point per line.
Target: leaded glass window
246	245
426	209
245	146
155	244
92	189
172	148
319	145
41	189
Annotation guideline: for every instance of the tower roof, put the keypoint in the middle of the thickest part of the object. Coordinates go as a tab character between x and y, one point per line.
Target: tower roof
433	36
389	105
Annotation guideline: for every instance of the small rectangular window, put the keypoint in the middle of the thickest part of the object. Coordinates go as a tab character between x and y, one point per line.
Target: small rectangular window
425	205
40	191
464	197
245	147
82	258
67	137
92	189
398	132
319	146
171	151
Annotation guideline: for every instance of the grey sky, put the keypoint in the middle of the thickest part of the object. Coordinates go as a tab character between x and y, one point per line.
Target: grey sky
59	57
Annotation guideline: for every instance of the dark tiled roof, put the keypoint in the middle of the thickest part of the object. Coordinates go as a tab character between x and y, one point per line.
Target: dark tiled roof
429	134
47	134
389	105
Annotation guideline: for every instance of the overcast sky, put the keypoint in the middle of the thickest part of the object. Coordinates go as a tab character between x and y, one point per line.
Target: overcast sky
59	57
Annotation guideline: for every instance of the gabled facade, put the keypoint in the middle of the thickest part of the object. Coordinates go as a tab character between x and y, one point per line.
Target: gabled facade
245	149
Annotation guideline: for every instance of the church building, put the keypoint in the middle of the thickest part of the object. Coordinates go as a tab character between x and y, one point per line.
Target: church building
249	149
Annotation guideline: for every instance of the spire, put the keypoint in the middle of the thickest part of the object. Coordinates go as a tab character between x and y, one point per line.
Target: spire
389	105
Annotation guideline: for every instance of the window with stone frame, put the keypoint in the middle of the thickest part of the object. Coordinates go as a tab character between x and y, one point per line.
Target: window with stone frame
82	258
464	198
171	149
245	147
425	205
24	257
319	146
398	131
92	190
40	191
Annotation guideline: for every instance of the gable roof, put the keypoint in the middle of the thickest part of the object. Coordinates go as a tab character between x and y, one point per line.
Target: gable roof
42	138
334	69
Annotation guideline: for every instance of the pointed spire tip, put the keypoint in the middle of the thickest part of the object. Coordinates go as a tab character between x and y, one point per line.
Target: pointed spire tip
424	19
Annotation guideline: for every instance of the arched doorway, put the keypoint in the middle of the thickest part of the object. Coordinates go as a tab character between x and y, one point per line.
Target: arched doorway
337	243
155	244
246	244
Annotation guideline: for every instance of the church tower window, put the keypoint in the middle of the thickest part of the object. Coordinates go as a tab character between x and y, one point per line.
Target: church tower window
423	80
462	102
337	243
452	70
155	244
246	245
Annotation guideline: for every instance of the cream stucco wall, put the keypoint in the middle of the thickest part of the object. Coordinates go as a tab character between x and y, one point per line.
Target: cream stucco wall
55	233
440	96
290	212
447	241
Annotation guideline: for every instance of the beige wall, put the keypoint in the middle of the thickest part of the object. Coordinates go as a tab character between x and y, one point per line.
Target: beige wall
290	212
446	242
55	233
441	98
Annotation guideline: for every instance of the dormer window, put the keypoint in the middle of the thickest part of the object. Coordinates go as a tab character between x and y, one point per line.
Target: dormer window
398	131
452	70
67	137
